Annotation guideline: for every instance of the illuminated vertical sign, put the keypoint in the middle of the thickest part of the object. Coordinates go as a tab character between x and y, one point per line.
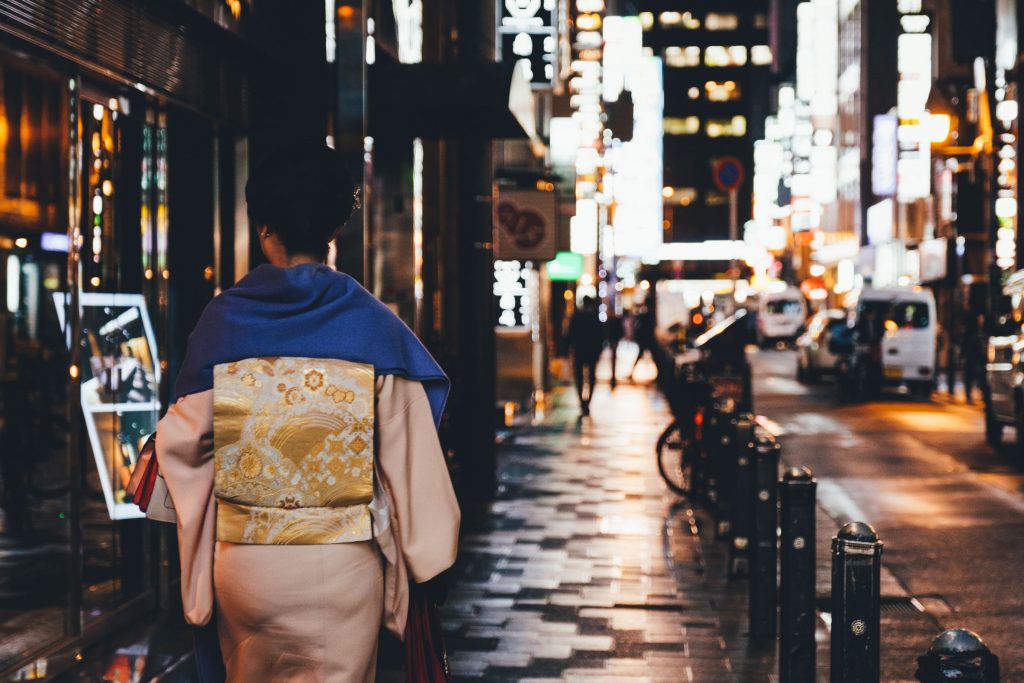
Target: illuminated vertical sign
914	62
527	32
515	294
883	155
585	99
638	165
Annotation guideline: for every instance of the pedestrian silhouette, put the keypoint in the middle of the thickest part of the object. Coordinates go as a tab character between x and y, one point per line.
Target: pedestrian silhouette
615	331
643	335
586	341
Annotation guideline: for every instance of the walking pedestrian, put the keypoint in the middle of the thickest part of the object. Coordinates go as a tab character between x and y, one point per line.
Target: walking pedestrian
972	349
301	452
586	340
615	332
643	335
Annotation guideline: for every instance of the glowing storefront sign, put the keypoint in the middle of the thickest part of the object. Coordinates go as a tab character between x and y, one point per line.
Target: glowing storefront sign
527	32
566	267
583	227
884	154
637	166
880	222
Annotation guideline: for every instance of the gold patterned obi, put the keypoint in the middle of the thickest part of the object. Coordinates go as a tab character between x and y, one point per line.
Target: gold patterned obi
293	451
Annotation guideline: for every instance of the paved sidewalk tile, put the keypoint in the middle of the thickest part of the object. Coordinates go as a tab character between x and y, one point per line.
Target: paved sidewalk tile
587	568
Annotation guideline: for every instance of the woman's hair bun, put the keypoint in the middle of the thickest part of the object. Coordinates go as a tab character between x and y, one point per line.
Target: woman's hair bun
303	194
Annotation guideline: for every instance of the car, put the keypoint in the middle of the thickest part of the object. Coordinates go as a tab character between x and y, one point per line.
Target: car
780	316
814	355
1004	369
894	339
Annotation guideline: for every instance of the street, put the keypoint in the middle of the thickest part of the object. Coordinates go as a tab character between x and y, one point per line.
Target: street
948	508
586	566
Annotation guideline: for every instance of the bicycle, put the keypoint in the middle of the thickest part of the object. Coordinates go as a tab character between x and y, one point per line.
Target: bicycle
681	444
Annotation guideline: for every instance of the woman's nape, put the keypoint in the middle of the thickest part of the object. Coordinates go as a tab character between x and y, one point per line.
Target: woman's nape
277	254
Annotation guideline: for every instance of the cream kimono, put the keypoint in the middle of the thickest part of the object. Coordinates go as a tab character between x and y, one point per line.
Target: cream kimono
305	565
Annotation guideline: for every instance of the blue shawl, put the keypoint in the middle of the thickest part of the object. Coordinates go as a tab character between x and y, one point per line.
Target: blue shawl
306	311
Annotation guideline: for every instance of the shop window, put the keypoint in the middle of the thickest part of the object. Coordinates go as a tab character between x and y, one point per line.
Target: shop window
722	91
686	125
35	428
760	55
715	21
123	182
734	127
679	57
678	19
725	55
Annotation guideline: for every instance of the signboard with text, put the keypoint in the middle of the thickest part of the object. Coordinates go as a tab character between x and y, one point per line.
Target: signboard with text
524	225
527	31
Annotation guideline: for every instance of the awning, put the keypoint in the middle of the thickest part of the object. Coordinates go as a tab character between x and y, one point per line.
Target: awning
451	100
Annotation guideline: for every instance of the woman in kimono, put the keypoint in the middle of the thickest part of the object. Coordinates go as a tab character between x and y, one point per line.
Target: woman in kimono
301	451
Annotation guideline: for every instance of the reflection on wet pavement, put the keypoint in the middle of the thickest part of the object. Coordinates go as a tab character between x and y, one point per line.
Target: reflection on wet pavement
587	569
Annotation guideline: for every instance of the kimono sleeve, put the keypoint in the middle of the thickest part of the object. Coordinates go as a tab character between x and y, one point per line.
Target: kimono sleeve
184	449
423	502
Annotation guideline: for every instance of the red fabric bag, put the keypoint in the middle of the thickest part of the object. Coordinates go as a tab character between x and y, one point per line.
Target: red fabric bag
426	660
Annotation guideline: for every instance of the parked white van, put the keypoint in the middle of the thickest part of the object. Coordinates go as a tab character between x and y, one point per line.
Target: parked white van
780	316
909	333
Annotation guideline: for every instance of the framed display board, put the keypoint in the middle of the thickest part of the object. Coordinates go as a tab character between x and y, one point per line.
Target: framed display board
120	387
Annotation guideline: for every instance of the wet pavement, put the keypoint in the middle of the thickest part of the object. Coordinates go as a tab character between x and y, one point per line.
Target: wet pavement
586	568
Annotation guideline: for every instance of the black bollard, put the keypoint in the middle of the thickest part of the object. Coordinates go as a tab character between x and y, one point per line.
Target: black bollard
723	463
797	576
958	655
742	455
856	600
712	451
764	589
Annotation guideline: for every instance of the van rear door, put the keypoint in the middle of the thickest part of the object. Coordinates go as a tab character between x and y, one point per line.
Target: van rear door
908	347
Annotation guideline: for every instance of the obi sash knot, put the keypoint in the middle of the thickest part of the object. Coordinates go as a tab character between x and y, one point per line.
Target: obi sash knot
293	451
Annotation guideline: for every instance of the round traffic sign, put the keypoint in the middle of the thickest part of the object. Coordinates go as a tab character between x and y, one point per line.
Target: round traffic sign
727	173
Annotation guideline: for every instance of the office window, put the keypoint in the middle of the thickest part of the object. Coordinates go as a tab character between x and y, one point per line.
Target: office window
722	91
647	20
721	22
685	125
760	55
725	55
760	20
684	196
676	56
678	19
734	127
693	93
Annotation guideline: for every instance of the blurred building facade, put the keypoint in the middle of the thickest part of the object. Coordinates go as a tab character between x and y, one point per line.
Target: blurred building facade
717	60
891	157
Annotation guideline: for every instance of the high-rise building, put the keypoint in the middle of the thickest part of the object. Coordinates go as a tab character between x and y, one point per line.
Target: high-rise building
717	60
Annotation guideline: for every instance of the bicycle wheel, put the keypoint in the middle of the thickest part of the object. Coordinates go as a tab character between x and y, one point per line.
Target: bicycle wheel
673	464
